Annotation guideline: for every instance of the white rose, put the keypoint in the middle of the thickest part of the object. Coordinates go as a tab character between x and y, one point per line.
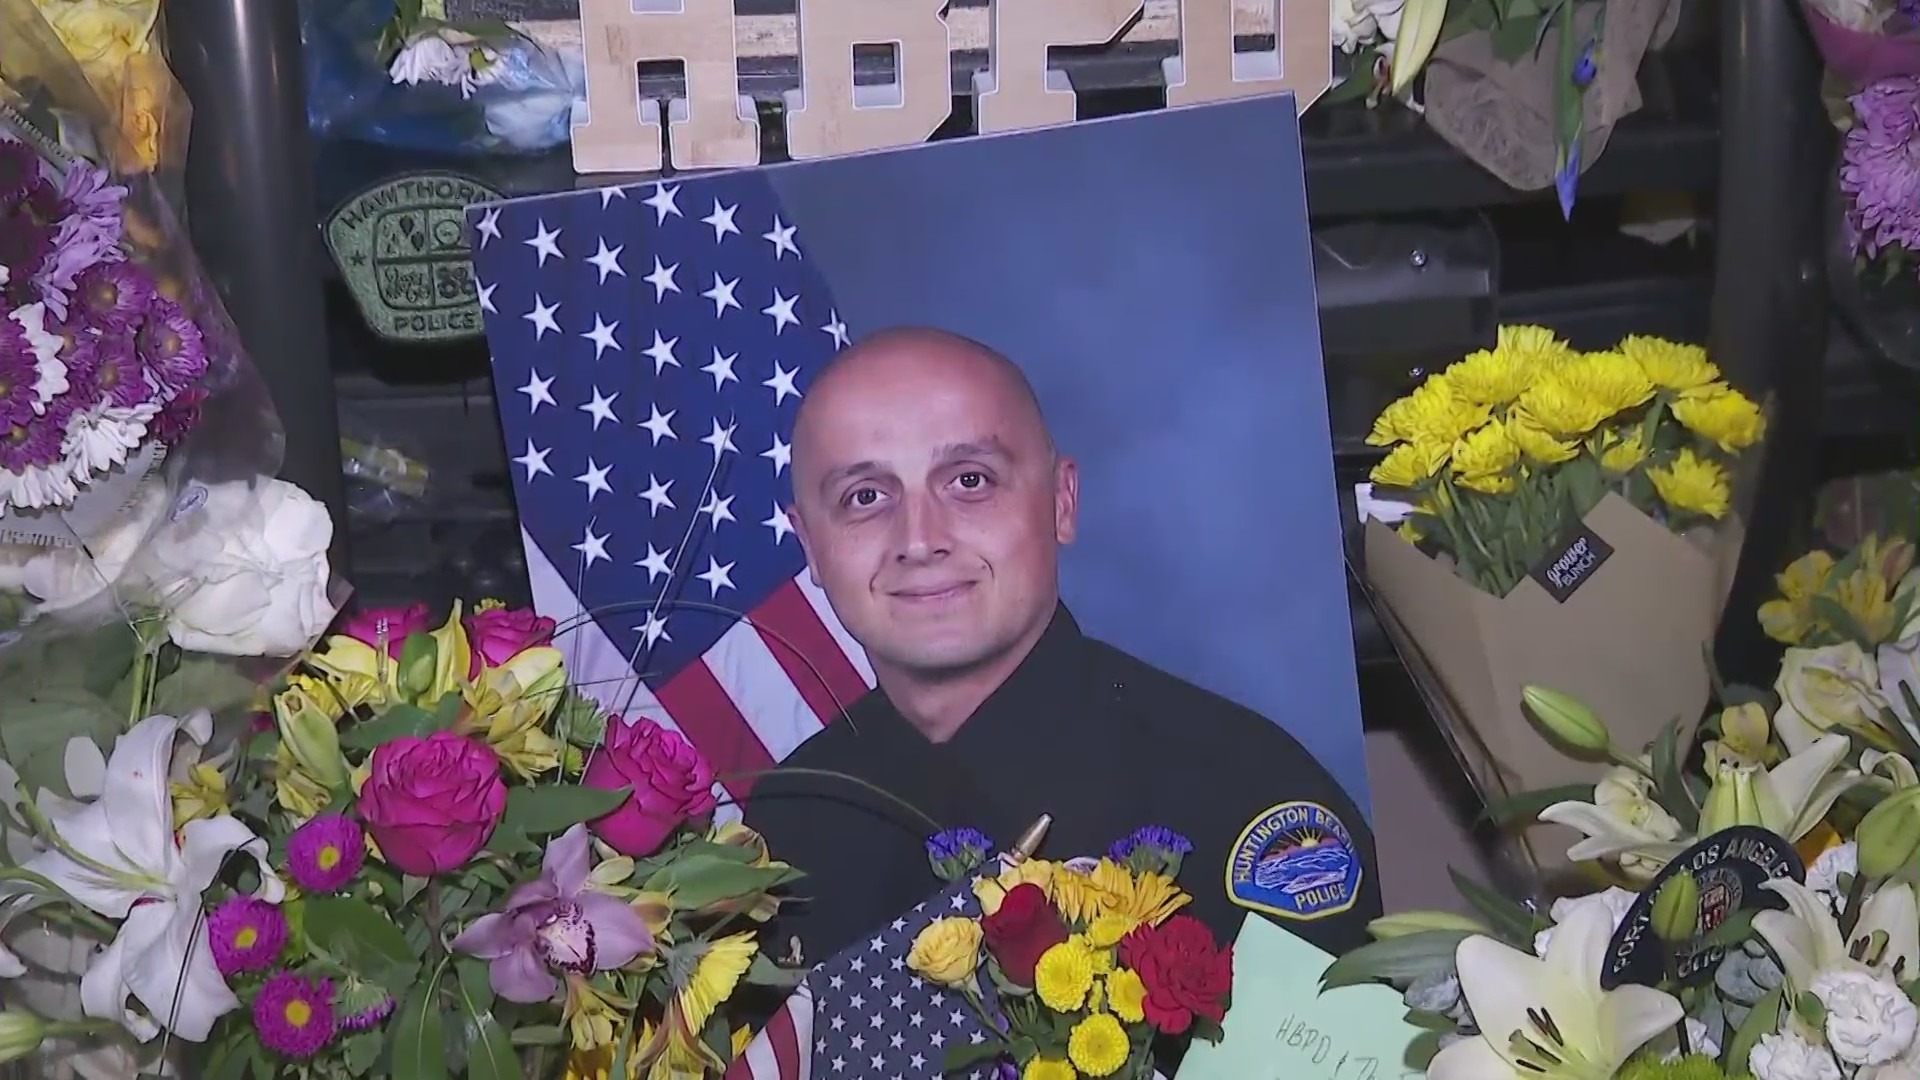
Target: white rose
1789	1057
1823	876
1615	900
245	573
1869	1021
67	577
1899	664
1835	687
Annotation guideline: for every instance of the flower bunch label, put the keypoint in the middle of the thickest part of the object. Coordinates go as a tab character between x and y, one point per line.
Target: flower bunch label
1572	564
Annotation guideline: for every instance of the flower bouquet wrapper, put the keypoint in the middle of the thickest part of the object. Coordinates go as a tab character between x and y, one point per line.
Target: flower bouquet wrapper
1859	57
1628	640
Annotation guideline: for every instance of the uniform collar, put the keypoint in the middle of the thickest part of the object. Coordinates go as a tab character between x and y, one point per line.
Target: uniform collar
1035	700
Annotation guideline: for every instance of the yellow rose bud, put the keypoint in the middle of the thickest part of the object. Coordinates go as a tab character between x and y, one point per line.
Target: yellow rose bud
947	951
1676	909
1888	838
1567	722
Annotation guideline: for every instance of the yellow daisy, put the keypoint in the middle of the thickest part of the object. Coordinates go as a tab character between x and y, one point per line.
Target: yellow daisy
1669	365
1098	1045
1064	975
1128	995
1692	484
1723	416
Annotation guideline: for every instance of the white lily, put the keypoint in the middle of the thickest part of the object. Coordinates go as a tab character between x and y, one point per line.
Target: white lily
1548	1019
118	856
1789	799
1624	822
1807	938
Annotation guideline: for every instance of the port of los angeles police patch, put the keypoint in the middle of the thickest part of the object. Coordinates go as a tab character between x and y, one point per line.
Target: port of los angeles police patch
1295	861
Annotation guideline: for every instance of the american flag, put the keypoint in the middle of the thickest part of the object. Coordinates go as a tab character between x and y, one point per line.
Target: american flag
864	1015
651	344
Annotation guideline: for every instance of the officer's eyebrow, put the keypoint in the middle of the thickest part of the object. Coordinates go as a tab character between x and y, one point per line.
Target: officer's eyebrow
979	449
848	472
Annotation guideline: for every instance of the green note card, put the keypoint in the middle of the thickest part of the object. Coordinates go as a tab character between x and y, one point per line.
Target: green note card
1281	1027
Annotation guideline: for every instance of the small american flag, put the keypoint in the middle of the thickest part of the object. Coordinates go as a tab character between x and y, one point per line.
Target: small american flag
864	1015
651	344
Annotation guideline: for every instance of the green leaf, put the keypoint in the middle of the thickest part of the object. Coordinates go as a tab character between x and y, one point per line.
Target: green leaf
39	724
1810	1011
1736	928
1668	781
420	1036
363	938
490	1053
202	683
229	1059
1763	1020
1407	957
1841	620
397	722
363	1051
545	811
1526	805
539	1035
1513	38
700	881
1431	1021
959	1057
447	712
1514	924
764	972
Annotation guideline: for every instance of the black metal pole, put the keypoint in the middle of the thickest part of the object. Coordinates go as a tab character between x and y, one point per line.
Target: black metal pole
250	209
1769	313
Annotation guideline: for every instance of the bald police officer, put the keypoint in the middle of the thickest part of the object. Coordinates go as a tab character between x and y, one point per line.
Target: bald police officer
931	503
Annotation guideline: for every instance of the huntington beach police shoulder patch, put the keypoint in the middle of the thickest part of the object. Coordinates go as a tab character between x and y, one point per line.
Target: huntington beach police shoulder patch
1295	861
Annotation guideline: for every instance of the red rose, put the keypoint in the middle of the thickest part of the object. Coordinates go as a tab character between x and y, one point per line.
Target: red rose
1025	926
1185	973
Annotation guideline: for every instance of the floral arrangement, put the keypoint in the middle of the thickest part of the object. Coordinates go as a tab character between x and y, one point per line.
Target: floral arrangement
1879	175
1813	977
1076	967
1505	451
448	864
117	45
98	356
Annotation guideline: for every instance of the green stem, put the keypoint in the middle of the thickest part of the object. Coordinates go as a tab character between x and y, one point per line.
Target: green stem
1856	898
1626	762
750	774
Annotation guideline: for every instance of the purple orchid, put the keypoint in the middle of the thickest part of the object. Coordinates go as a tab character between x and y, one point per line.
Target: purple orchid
555	921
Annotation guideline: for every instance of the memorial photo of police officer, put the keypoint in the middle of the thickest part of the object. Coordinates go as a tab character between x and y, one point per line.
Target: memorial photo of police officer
933	504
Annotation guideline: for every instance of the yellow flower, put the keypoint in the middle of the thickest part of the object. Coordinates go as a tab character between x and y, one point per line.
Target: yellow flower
142	112
1669	365
509	707
203	794
1111	889
1098	1045
593	1015
1746	738
1692	484
1536	442
1047	1069
1410	532
356	673
1562	408
1064	975
1107	928
1434	412
1790	618
1863	596
1410	464
1619	450
947	951
991	891
714	978
741	1038
1493	377
1535	346
102	35
1483	461
1722	416
1612	381
1127	994
299	794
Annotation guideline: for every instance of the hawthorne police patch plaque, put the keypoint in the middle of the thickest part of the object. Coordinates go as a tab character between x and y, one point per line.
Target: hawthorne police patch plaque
1295	861
1731	866
403	248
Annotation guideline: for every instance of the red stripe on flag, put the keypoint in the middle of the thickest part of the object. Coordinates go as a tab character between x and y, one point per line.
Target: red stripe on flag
715	726
808	653
783	1033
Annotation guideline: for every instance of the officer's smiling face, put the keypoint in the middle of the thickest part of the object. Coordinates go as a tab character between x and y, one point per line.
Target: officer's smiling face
931	504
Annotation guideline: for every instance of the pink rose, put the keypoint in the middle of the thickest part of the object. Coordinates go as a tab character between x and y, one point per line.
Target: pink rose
396	623
669	779
431	803
497	635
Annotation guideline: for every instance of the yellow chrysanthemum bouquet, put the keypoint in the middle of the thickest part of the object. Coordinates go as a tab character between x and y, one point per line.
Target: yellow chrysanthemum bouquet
1504	452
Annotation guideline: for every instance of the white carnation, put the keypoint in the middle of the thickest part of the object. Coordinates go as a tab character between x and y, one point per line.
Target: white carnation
1615	900
1870	1021
1824	875
1788	1057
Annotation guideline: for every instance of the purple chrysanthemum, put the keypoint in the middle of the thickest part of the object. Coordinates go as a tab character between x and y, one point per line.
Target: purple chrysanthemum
178	417
367	1018
1880	167
171	345
246	935
17	373
19	170
103	367
112	295
1151	836
37	441
324	854
294	1014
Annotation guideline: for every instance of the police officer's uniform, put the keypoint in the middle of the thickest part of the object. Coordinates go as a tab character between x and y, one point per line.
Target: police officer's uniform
1106	744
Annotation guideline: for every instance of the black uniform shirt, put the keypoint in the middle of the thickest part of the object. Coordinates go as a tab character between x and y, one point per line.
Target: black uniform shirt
1106	744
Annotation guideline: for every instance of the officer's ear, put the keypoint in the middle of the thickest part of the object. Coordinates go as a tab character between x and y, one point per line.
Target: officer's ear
1066	499
800	533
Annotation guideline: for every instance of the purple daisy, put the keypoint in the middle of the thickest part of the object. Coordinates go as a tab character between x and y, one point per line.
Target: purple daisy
112	294
171	345
294	1014
369	1017
324	854
19	170
17	373
36	441
246	934
104	367
1880	166
178	417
